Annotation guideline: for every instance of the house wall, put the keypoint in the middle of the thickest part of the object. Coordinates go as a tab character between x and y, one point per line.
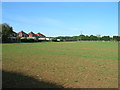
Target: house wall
41	38
22	35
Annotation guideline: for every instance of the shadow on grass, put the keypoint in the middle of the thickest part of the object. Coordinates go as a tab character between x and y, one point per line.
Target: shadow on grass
16	80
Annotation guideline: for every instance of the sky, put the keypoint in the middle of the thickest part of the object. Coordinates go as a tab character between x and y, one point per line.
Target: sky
62	18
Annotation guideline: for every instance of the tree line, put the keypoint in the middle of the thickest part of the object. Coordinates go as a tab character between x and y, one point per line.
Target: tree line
7	30
87	38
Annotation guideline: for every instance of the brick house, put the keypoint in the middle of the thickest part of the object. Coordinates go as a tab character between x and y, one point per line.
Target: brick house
40	35
22	34
32	35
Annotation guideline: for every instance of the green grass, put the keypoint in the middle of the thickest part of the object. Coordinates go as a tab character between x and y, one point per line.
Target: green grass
81	64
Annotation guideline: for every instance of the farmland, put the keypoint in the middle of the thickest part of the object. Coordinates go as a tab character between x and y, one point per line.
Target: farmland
80	64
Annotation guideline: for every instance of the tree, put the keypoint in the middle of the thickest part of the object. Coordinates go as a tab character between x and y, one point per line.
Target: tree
118	38
92	37
115	38
6	31
87	37
98	36
82	37
106	38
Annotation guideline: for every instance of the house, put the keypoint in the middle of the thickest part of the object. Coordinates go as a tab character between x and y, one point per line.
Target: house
32	35
13	35
48	38
22	34
41	36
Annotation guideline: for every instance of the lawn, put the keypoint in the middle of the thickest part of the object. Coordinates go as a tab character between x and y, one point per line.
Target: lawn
81	64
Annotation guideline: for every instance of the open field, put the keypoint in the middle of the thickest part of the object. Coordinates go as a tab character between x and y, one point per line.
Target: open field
82	64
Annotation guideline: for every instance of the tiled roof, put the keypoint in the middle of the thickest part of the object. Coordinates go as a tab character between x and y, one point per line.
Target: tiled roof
22	32
31	33
39	34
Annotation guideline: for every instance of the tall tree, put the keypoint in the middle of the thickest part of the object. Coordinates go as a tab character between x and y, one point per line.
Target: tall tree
6	31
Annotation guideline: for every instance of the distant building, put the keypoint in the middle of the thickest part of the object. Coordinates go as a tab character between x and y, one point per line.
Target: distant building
32	35
22	34
13	35
58	40
40	35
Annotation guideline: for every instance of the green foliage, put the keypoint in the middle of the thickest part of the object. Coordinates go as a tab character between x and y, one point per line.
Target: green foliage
36	39
106	38
116	38
24	39
17	37
6	31
30	40
85	38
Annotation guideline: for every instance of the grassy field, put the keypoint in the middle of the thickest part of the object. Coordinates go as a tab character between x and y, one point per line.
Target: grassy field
84	64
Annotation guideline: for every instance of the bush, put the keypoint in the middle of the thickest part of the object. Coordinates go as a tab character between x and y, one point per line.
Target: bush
24	40
30	40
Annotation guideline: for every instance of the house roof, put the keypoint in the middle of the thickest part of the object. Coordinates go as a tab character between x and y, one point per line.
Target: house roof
39	34
22	32
31	33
